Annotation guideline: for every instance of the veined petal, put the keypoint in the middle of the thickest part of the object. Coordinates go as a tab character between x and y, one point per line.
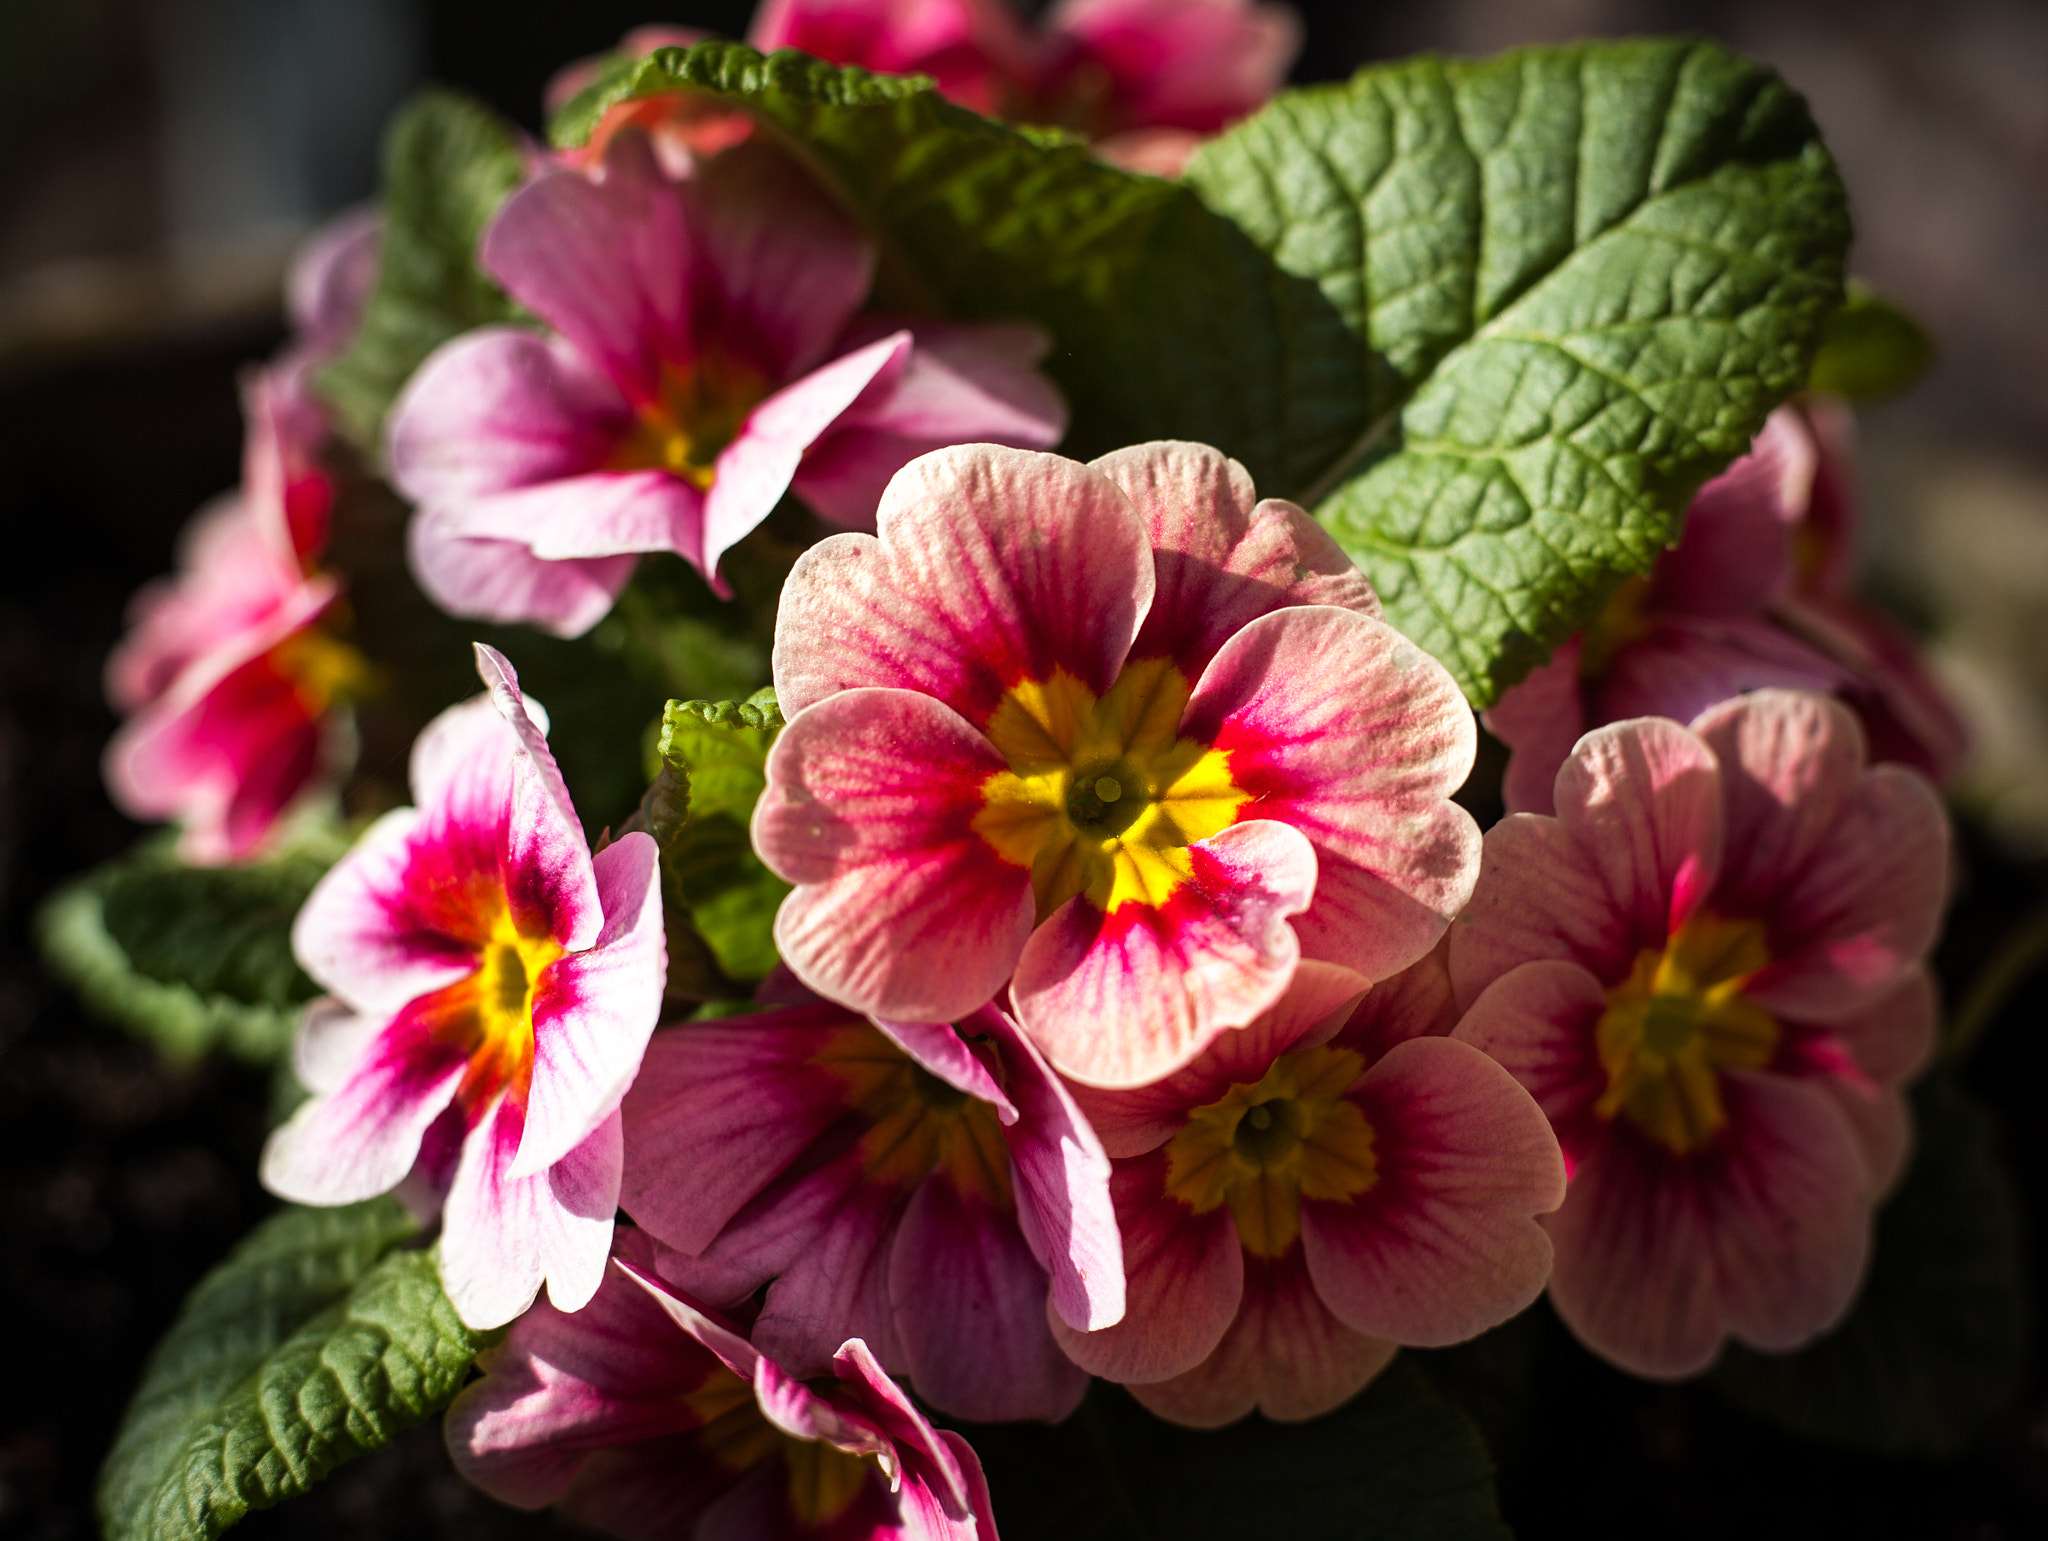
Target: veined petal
1445	1243
1685	664
993	566
970	1312
1285	1355
497	580
593	1011
1736	555
1540	895
902	909
591	515
1415	1003
1184	1276
1539	720
1538	1021
1125	998
1223	558
1338	725
942	1051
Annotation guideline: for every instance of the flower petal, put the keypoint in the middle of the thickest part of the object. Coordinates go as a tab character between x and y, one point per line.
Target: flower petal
497	580
1538	1021
588	516
1445	1243
330	1040
1415	1003
993	566
1125	998
1539	720
1539	895
1736	554
941	1050
902	910
1285	1355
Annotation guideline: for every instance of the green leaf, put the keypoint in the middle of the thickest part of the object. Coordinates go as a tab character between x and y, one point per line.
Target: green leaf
1937	1344
191	958
314	1343
449	162
1398	1463
1586	274
1871	348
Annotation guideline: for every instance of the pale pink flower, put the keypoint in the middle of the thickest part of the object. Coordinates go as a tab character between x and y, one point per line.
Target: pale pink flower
1120	730
705	358
1755	594
1708	968
493	986
648	1418
1147	79
1299	1201
924	1189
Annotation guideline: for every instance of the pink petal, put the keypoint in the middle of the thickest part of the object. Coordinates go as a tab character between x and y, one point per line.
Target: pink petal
330	1040
1882	1122
1540	895
1061	1179
1736	554
902	910
970	1312
946	1054
1539	720
497	409
927	1457
593	1011
993	566
1415	1003
1223	558
755	469
1538	1021
607	264
496	580
1185	65
972	48
1908	716
718	1111
1686	663
1339	726
962	384
1125	998
1445	1243
1284	1355
332	274
1763	1237
1892	1039
587	516
360	937
1184	1276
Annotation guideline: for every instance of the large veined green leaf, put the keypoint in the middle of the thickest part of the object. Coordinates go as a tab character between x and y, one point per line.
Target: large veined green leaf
318	1340
1586	275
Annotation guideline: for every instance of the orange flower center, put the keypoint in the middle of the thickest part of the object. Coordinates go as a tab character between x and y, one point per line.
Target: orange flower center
1261	1148
1103	796
322	669
920	1123
1677	1022
698	410
489	1015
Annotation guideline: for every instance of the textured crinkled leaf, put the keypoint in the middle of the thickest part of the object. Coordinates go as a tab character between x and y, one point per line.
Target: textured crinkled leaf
1937	1344
314	1343
1871	348
190	957
449	162
1586	274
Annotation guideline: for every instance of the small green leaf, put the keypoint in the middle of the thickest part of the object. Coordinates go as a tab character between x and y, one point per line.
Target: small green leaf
314	1343
448	163
1585	274
191	958
1936	1346
1871	348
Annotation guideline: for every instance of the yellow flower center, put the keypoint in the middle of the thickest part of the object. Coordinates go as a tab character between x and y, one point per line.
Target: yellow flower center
1262	1148
489	1015
1103	796
697	412
919	1122
322	669
1676	1022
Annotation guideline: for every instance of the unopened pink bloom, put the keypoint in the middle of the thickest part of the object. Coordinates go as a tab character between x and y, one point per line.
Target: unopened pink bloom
922	1189
494	985
1135	74
651	1419
704	351
1298	1202
1754	595
1708	969
1123	731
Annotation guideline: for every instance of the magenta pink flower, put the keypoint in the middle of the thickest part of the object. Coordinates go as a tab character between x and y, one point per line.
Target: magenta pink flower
1298	1202
1754	595
495	986
1120	730
1708	969
705	359
650	1419
1148	78
922	1189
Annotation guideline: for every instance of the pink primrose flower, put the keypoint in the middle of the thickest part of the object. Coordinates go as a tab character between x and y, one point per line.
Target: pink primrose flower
1754	595
704	359
922	1189
1148	79
494	987
1122	731
648	1418
1311	1193
1708	969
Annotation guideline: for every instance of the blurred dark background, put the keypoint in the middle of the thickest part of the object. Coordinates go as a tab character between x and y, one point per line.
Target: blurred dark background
159	158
